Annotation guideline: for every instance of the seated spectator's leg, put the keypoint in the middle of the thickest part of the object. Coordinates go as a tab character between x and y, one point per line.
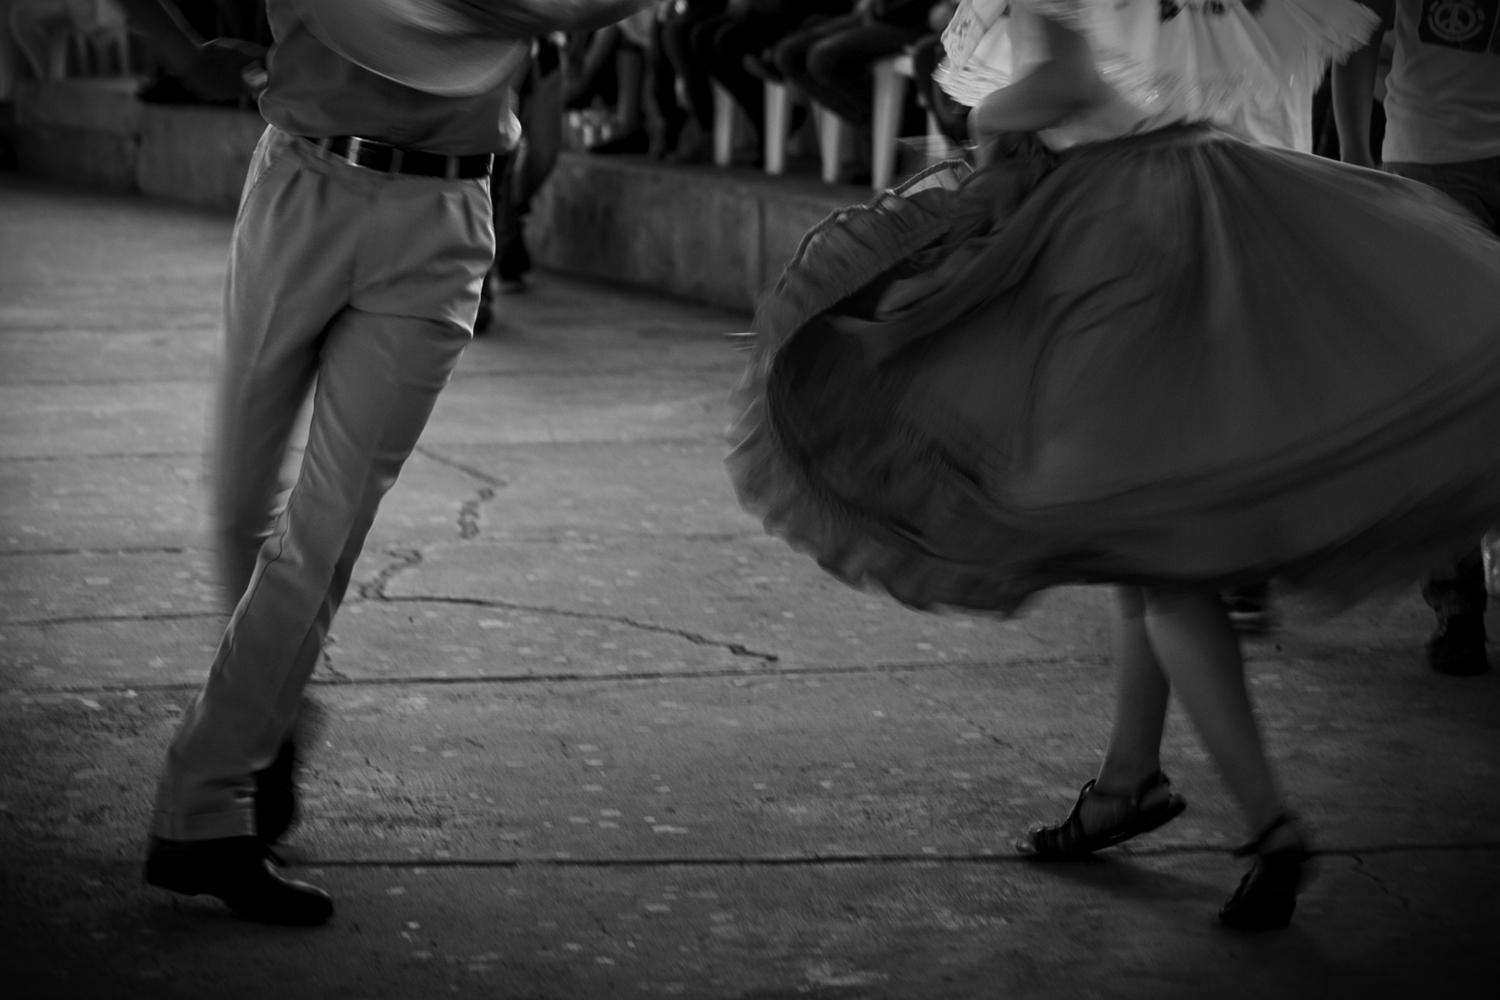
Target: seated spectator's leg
728	43
789	55
752	34
591	72
698	82
692	79
838	67
667	113
33	25
630	78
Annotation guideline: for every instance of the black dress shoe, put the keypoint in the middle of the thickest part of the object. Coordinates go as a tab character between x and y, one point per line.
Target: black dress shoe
239	871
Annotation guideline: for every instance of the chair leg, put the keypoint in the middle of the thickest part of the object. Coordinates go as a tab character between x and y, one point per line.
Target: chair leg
61	53
778	115
830	143
724	112
889	98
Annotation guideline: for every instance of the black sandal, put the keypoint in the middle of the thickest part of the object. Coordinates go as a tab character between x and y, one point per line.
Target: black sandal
1070	840
1267	895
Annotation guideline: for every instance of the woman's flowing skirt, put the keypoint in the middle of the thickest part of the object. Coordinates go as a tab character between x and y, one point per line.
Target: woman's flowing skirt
1169	359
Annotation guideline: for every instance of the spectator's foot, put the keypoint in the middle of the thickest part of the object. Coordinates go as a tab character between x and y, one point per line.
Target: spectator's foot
692	146
241	873
1457	646
1249	609
664	140
630	143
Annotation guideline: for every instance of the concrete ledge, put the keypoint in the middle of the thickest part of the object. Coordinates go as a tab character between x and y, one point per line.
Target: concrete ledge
700	233
80	131
96	105
196	154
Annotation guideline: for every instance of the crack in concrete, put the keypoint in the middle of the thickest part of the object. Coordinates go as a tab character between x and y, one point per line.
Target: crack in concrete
559	677
495	482
799	860
468	511
964	717
468	514
403	560
141	616
541	679
102	456
326	662
113	550
697	639
1363	870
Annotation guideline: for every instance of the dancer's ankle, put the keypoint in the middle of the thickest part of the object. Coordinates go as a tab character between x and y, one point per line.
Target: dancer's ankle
1126	777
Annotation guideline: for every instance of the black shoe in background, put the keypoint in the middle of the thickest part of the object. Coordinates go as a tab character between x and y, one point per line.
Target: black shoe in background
636	143
1249	608
1457	646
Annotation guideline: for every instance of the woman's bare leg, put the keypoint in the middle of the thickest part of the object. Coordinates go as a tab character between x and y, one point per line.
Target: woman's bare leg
1133	758
1142	692
1200	655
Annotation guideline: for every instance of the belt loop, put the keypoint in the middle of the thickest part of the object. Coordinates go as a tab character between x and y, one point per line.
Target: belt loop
351	155
397	154
450	168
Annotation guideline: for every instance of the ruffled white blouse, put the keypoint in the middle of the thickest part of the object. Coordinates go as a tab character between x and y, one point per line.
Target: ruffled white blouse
1249	66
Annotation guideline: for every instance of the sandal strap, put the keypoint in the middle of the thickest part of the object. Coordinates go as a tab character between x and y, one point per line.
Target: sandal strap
1254	847
1066	837
1150	784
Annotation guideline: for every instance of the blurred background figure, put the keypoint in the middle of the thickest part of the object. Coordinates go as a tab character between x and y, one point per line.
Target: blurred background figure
606	75
520	174
1442	128
55	36
692	79
241	24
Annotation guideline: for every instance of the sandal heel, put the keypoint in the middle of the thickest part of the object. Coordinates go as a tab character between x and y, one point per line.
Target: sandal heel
1267	895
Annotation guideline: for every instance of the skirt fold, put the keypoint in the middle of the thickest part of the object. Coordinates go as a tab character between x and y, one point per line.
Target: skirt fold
1175	358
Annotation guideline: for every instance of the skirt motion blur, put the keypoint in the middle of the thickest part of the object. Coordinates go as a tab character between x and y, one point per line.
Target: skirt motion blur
1169	358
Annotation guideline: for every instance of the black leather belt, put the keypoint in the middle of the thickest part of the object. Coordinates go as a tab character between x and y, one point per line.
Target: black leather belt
394	160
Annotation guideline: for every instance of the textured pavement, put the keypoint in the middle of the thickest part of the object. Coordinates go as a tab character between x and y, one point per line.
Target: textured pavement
591	734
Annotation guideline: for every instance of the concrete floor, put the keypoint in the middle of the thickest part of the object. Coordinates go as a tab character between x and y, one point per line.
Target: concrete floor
592	734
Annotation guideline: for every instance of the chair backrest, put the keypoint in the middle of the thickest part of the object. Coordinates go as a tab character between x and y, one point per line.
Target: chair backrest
96	15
